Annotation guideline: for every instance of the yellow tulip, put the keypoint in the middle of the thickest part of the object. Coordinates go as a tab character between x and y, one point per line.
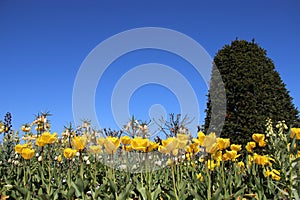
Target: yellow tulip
250	146
40	142
212	149
241	164
79	142
169	146
152	146
295	132
201	137
209	140
262	143
236	147
140	144
275	174
217	156
20	147
182	140
193	148
111	144
100	141
262	160
27	153
69	153
96	149
258	137
127	147
223	143
46	138
230	155
125	140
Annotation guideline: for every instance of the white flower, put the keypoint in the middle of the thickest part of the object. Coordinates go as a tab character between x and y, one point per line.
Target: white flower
88	162
158	163
37	155
40	158
77	153
85	158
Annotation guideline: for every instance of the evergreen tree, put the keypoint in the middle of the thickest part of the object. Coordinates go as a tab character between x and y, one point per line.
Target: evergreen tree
254	92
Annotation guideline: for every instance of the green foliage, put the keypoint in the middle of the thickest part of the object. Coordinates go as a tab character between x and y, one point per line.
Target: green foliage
254	92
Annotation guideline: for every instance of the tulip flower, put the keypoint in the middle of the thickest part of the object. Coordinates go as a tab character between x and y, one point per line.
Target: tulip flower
295	132
79	142
111	144
69	153
27	153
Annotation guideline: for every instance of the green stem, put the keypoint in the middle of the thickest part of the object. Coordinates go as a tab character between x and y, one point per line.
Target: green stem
174	184
95	173
81	165
209	184
223	179
24	173
49	167
29	174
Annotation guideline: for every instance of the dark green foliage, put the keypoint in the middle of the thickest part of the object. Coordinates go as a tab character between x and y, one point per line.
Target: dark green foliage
254	91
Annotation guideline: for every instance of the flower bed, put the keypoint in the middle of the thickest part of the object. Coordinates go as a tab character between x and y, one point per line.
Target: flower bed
86	165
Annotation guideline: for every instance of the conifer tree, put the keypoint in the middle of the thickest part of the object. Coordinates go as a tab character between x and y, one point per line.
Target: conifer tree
254	92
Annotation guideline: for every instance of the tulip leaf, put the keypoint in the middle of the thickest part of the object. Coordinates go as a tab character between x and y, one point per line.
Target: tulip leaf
77	190
142	191
125	193
155	193
239	192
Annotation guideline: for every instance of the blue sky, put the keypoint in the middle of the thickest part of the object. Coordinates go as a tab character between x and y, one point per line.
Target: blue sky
43	44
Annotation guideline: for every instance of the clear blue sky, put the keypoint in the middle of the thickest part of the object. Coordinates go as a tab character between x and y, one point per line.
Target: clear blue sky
43	43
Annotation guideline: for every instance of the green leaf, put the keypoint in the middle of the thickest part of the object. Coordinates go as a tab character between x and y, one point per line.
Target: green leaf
155	193
113	186
69	178
77	190
22	190
240	192
80	184
28	196
126	192
142	191
71	192
40	192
